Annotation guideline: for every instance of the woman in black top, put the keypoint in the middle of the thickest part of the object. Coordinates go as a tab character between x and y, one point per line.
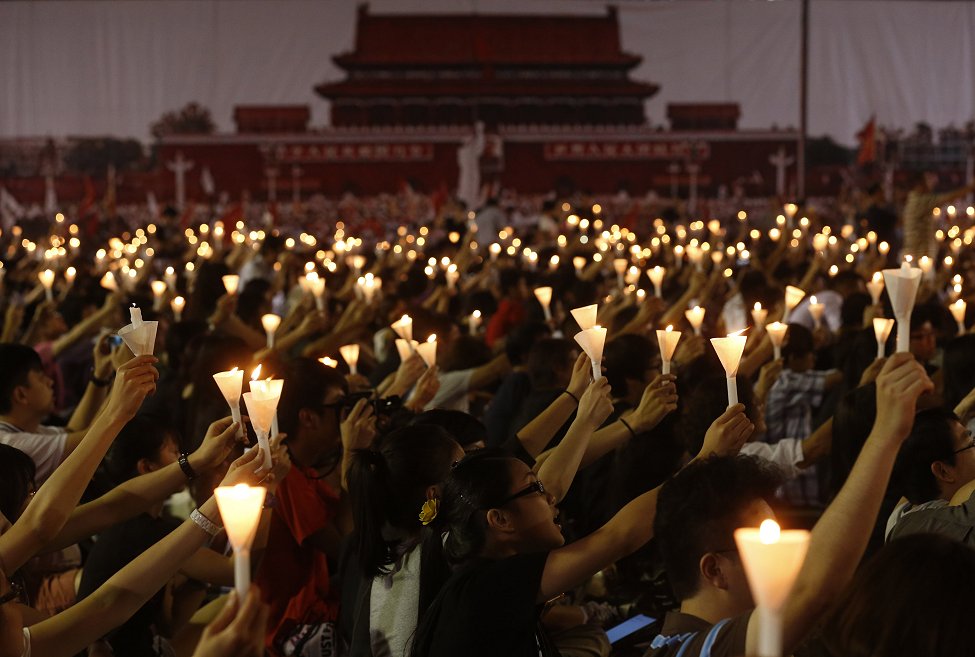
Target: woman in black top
503	533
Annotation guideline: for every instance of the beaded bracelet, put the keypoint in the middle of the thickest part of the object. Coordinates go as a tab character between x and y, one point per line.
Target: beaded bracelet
205	523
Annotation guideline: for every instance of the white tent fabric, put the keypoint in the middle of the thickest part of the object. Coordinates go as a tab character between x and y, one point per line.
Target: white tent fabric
90	68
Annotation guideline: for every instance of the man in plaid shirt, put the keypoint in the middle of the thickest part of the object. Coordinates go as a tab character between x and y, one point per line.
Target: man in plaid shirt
790	404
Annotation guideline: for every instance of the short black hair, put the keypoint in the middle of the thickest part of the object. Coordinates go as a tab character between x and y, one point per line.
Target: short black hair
700	507
628	356
17	363
798	342
521	339
463	427
315	378
930	440
141	438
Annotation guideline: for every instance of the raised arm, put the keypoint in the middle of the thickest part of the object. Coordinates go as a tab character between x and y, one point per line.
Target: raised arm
840	537
52	506
560	468
140	493
116	600
632	526
535	435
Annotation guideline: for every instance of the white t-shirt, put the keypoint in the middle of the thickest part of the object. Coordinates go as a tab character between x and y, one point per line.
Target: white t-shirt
45	446
394	602
786	454
452	394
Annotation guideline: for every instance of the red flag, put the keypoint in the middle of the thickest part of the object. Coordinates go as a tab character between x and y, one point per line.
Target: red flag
868	143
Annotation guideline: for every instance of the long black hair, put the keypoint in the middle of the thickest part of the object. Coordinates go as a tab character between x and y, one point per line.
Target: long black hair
388	486
17	471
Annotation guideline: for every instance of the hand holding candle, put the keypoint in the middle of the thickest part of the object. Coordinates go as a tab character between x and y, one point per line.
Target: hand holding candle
240	508
667	340
772	559
592	341
729	352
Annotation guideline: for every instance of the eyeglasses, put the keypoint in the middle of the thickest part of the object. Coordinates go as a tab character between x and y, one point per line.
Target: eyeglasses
534	487
966	447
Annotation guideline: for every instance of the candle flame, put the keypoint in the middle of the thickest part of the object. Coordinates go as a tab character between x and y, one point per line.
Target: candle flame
669	328
432	338
736	333
234	371
758	306
257	373
813	301
477	313
768	532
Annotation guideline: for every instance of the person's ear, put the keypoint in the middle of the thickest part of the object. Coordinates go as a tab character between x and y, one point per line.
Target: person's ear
19	395
710	567
308	419
144	466
433	492
943	472
499	521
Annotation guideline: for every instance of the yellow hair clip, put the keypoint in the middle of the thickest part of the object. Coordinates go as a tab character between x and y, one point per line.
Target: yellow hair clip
429	511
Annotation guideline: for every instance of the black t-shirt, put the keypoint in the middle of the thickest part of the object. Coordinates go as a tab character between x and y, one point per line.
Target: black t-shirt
114	549
488	608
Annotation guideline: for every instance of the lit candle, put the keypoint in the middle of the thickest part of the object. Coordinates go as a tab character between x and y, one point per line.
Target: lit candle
240	508
350	354
776	333
270	322
158	290
759	315
230	282
405	348
958	309
495	250
177	305
585	317
452	277
881	330
262	406
139	336
772	559
328	362
316	287
695	316
927	266
592	341
656	276
544	296
170	277
883	248
47	280
816	309
620	265
729	350
474	322
428	350
579	263
553	263
403	327
230	386
667	339
793	295
108	282
902	285
69	275
876	287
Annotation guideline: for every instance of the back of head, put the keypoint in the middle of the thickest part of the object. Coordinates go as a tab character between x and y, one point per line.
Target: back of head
17	362
852	423
522	338
913	598
959	369
930	440
798	342
388	486
628	357
851	312
463	427
465	353
699	509
17	471
548	361
309	380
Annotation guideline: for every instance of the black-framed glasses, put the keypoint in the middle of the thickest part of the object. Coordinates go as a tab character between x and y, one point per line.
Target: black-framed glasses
534	487
966	447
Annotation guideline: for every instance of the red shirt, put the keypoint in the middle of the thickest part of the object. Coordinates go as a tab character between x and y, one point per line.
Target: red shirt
293	575
509	315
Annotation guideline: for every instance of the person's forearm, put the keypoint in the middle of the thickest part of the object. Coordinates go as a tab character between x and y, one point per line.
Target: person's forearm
535	435
80	330
839	539
605	441
754	360
87	409
51	507
818	445
676	311
327	344
120	597
233	325
560	468
632	526
124	502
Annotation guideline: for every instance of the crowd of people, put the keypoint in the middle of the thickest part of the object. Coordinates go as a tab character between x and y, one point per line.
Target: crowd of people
452	473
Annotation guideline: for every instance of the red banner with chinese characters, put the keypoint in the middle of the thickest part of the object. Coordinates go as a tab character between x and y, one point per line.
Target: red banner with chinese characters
369	152
626	150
